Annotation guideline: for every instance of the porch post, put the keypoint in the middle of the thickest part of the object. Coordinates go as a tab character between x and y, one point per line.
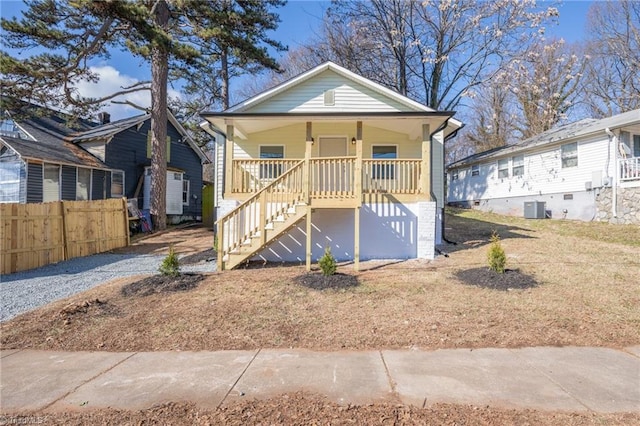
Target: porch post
425	169
358	193
357	185
356	242
306	178
309	230
306	182
228	162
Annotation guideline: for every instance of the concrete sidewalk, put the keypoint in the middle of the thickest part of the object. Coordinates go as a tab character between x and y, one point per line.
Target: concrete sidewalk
546	378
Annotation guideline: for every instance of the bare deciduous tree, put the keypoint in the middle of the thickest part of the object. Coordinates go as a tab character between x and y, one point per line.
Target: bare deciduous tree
613	81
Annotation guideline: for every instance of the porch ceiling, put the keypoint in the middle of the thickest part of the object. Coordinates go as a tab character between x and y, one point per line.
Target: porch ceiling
405	123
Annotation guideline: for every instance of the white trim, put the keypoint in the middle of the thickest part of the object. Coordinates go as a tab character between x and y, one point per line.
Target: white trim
123	183
387	144
90	182
188	190
284	149
44	166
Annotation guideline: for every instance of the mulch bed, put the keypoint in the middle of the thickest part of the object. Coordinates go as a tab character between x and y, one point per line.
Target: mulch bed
161	284
512	279
318	281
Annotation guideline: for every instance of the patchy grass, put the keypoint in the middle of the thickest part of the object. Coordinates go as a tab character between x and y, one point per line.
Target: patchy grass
303	409
587	292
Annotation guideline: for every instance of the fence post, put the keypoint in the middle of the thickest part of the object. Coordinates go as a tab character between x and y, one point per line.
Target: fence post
126	219
65	249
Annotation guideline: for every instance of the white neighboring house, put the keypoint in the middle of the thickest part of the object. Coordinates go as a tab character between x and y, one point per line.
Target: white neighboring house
328	159
587	170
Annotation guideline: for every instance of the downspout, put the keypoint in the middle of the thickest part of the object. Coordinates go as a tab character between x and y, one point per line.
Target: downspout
433	196
614	195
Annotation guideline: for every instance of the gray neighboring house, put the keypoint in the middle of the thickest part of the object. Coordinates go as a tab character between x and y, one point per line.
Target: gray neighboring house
587	170
37	163
44	156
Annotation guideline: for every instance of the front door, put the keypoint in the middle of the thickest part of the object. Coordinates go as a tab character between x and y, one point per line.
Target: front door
333	174
333	147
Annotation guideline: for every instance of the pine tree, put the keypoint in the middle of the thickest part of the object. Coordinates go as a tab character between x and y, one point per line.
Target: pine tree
168	34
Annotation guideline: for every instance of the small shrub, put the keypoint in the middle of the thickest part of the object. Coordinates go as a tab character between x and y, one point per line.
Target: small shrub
327	263
496	255
170	266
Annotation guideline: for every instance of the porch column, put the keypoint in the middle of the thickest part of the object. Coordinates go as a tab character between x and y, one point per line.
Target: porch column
358	193
228	162
306	182
306	178
309	231
425	169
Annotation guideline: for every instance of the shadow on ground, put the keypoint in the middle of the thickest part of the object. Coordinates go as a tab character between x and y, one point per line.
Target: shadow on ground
468	233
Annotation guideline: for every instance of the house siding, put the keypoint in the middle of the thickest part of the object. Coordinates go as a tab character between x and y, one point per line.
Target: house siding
127	151
34	183
101	185
564	190
308	96
293	138
68	183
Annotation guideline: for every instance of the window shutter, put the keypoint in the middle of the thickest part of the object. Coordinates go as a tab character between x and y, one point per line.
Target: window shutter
149	146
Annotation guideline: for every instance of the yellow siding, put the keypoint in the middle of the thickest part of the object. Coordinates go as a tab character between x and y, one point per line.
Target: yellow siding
293	138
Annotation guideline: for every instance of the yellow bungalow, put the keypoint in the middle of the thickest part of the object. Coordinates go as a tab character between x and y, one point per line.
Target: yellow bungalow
334	156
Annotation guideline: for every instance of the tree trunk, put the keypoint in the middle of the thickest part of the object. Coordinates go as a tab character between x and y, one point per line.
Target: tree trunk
224	74
159	80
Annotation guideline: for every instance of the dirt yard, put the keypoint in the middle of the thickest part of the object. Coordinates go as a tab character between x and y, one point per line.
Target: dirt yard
568	283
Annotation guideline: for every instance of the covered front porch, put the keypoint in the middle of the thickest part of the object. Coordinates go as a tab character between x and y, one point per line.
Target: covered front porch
280	168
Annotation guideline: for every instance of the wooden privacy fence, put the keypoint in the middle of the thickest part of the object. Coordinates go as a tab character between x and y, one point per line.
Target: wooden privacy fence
35	235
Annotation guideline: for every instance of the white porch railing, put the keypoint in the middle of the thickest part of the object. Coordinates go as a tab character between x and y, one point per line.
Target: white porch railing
629	169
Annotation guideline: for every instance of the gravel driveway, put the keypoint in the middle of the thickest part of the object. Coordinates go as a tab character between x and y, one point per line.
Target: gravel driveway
23	291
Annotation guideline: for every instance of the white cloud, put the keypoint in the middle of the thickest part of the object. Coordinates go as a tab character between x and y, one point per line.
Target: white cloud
111	81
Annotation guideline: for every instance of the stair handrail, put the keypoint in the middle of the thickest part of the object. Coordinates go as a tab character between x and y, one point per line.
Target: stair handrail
260	195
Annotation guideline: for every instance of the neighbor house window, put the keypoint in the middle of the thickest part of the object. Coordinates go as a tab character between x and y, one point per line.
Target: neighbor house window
117	184
517	164
475	170
503	168
271	170
384	152
83	184
569	153
51	183
185	192
10	181
636	145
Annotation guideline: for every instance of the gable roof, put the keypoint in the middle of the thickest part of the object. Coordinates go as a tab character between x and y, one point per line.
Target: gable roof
106	131
349	75
49	130
559	135
376	104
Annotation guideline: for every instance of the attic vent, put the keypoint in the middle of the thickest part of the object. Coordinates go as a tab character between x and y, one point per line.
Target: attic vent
330	97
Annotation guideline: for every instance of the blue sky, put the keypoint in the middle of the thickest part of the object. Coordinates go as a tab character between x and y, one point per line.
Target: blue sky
299	20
